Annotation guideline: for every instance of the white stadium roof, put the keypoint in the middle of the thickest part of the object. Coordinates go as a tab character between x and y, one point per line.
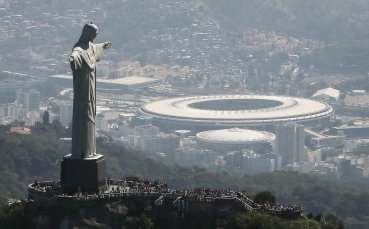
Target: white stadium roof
235	136
234	110
130	82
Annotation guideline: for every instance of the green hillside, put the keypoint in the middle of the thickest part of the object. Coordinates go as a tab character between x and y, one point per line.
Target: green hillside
37	156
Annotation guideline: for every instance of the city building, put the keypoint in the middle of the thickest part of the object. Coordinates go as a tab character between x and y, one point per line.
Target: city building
319	140
352	132
301	167
290	143
102	123
225	140
29	98
16	112
66	113
112	85
248	162
20	130
353	166
147	138
190	156
228	111
146	130
3	110
315	156
327	94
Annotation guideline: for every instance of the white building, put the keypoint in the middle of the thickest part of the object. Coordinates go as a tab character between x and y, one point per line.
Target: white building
102	123
225	140
189	156
16	112
146	130
147	138
66	113
290	140
315	156
248	162
30	99
327	94
302	167
3	110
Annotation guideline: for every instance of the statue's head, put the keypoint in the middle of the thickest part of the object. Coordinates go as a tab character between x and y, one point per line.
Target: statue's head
89	33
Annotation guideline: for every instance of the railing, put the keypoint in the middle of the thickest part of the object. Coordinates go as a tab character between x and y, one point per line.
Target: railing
50	190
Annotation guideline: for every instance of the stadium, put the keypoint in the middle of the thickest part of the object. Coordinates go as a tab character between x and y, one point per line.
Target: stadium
227	111
225	140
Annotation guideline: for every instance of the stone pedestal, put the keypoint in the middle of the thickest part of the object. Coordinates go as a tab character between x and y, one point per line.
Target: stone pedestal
82	175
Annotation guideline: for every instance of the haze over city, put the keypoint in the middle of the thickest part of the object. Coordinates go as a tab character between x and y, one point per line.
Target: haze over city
197	102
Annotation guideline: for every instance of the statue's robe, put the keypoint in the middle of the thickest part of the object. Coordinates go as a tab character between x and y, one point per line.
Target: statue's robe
83	64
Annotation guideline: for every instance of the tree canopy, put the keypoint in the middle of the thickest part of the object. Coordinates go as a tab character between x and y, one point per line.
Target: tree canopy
24	158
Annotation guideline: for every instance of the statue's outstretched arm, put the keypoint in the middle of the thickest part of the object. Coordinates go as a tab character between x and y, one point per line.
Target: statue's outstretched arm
107	44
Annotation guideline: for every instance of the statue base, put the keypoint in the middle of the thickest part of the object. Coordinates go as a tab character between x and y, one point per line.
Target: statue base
82	175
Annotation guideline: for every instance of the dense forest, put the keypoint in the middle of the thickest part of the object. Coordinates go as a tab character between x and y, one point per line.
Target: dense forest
16	217
24	158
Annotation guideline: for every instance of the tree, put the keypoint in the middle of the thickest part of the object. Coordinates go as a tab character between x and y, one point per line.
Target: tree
46	118
13	216
331	222
264	197
139	222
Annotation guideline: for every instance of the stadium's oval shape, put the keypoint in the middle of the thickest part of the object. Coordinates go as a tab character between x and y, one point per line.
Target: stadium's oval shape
226	140
235	110
234	136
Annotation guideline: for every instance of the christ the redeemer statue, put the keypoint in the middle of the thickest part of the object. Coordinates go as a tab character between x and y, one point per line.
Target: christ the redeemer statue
83	170
83	60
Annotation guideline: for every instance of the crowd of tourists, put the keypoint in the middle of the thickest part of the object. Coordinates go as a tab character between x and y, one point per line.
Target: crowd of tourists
288	211
133	186
46	186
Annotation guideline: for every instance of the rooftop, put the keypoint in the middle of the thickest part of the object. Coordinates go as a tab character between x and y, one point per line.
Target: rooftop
330	92
235	135
240	109
130	80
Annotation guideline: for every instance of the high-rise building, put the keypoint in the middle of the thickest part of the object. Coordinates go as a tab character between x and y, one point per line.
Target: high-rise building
102	123
189	156
3	110
149	139
290	139
65	113
248	162
146	130
163	143
29	98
